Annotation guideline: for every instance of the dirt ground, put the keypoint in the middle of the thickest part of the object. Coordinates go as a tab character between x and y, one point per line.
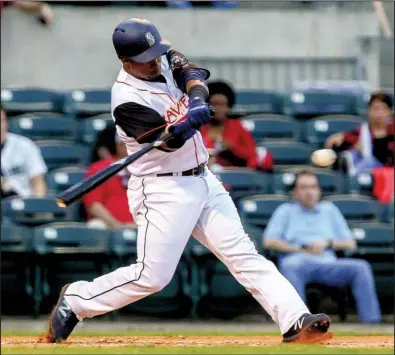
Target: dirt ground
341	341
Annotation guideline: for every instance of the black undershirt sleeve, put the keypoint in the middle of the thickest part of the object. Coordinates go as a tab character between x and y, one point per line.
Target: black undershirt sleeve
143	124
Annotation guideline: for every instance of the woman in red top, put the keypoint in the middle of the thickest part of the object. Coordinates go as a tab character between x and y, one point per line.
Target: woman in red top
370	145
227	141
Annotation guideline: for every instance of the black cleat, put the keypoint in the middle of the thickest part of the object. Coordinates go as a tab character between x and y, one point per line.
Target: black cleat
309	328
62	320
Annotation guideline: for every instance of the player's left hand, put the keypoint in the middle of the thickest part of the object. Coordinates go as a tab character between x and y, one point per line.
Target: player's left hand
183	130
198	112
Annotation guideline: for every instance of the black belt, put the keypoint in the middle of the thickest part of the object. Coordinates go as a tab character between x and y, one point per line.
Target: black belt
199	170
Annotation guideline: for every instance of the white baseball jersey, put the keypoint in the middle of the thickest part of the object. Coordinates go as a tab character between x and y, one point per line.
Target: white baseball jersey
20	161
171	106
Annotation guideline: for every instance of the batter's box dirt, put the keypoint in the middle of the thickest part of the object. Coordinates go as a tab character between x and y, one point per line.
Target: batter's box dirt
112	341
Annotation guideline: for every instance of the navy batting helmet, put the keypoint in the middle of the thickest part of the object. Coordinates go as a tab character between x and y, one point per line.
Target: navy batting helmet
139	40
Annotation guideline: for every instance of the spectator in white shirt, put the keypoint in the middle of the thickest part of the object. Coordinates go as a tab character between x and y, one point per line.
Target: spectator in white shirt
22	166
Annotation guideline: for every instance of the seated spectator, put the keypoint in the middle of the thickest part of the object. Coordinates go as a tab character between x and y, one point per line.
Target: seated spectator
371	145
22	166
107	205
307	233
228	142
104	147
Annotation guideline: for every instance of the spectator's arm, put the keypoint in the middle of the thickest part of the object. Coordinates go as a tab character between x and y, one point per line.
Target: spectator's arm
275	230
42	8
39	187
36	169
343	235
245	147
97	210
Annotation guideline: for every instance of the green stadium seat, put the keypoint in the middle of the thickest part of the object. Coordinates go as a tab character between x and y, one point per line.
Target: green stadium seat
90	127
257	210
331	182
361	184
58	154
61	179
33	211
242	182
388	213
16	269
307	104
21	100
286	154
256	101
87	102
174	300
357	208
67	252
38	126
317	130
376	245
264	127
218	292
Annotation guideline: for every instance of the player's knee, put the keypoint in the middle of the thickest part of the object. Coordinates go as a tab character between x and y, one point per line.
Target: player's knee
158	280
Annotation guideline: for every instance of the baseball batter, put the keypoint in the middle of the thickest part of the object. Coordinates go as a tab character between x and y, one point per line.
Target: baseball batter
173	195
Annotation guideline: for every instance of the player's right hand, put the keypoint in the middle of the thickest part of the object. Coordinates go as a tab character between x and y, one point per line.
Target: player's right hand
183	130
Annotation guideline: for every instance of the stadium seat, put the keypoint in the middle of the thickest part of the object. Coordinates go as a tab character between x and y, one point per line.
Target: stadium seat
271	126
307	104
331	182
174	300
242	182
257	210
376	245
361	184
388	213
219	294
87	102
90	127
317	130
255	101
33	211
286	154
61	179
16	269
58	154
357	208
44	125
67	252
21	100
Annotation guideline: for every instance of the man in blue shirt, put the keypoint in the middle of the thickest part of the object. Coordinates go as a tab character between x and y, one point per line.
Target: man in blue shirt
307	233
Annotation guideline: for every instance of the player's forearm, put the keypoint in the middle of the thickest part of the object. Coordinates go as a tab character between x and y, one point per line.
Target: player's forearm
39	187
280	245
97	210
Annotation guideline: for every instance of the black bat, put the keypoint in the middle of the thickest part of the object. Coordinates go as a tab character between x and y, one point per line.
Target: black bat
75	192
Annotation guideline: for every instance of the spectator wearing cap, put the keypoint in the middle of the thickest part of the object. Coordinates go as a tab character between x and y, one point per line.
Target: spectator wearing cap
370	145
22	166
107	205
227	141
307	233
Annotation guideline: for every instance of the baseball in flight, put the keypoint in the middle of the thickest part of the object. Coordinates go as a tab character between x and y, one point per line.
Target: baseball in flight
323	157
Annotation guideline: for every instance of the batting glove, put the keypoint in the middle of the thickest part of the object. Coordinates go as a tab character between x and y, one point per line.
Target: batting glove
198	112
183	130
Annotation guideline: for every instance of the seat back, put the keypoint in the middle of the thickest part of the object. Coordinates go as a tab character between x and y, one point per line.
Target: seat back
14	238
243	181
67	238
270	126
38	126
257	210
22	100
317	130
289	153
85	102
356	208
361	184
257	101
123	241
61	179
58	154
92	126
310	103
330	182
34	210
